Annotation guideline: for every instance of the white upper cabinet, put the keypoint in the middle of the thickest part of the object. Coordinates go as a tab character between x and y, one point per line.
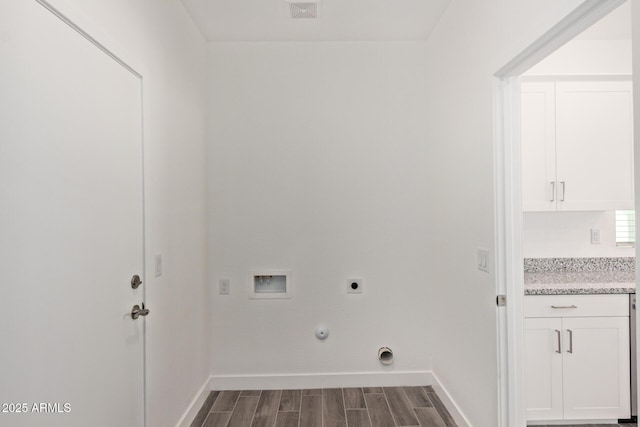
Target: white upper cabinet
538	126
577	145
594	145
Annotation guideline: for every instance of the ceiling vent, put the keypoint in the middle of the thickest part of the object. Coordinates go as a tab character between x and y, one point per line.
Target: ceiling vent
303	10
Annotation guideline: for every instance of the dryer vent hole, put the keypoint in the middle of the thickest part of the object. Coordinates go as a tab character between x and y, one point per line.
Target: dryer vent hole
385	355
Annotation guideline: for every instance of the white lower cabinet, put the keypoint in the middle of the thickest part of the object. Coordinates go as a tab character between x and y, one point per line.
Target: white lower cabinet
543	369
576	365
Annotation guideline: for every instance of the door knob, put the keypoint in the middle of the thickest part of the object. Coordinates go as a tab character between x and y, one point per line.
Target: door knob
135	281
138	311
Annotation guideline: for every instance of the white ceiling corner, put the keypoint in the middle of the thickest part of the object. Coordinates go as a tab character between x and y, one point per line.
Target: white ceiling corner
339	20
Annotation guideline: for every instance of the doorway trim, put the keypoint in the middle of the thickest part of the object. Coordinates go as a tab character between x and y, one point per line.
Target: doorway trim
508	203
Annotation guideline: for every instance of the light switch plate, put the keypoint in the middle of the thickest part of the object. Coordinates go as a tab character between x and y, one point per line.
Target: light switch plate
483	260
225	285
595	236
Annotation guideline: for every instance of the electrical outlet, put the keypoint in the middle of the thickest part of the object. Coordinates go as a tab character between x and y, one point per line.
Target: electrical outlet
354	286
225	287
483	260
595	236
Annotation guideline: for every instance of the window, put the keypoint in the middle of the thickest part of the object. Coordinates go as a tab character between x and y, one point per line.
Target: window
625	228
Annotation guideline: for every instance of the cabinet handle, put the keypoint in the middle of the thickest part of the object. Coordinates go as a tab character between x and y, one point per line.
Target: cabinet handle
559	350
553	191
570	341
563	190
564	306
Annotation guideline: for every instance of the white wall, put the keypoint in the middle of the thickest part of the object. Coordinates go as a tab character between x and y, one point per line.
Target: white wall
604	48
162	42
568	234
472	41
586	57
317	165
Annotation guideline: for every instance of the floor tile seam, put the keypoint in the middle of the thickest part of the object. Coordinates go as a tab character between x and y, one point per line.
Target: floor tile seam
300	418
415	411
416	414
362	393
210	410
253	416
259	393
275	419
234	406
205	419
322	409
413	406
404	391
300	415
218	412
438	408
427	392
214	402
358	410
386	399
367	407
299	402
234	403
344	407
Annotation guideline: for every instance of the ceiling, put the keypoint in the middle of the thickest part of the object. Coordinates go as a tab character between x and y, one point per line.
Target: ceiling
338	20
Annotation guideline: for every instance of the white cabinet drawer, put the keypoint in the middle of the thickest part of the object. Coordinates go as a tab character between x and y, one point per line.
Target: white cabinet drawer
576	305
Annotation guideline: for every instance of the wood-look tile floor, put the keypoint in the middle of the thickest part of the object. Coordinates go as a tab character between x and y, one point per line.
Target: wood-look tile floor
336	407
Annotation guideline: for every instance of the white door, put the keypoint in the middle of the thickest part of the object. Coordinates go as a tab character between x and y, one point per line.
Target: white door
594	140
596	368
543	368
71	227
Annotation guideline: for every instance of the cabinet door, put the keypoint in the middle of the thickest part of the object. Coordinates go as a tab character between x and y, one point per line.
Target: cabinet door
594	145
538	142
596	368
543	368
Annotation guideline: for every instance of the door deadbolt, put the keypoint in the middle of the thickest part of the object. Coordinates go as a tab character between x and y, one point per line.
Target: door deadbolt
135	281
138	311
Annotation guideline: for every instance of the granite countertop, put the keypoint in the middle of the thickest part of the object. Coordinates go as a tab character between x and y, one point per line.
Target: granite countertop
571	276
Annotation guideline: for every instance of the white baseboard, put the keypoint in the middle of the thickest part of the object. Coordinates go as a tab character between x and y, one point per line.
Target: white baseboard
328	380
331	380
449	403
195	405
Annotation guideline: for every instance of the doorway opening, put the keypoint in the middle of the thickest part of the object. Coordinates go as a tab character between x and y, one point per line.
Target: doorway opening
510	186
